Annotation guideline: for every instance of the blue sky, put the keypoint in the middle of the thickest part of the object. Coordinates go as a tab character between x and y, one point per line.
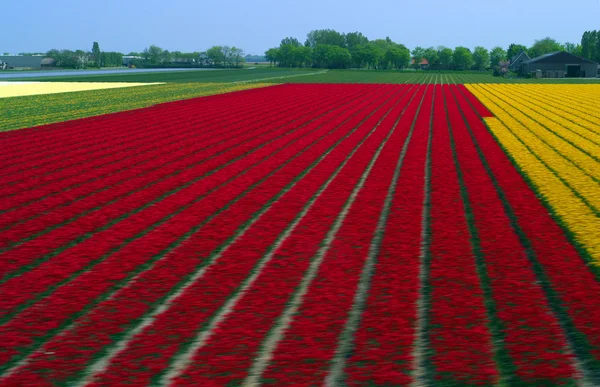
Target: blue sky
256	25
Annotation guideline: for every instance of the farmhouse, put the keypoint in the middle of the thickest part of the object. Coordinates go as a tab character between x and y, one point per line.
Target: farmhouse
424	63
559	64
517	60
22	62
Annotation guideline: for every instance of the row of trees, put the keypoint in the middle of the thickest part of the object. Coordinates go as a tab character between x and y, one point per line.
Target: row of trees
461	58
327	48
26	53
153	56
590	45
80	59
216	56
331	49
543	46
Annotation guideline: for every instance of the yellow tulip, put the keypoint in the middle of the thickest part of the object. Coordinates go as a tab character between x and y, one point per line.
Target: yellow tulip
546	131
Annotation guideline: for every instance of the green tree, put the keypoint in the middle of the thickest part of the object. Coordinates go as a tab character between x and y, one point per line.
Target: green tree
236	56
590	45
497	55
255	58
293	55
152	54
331	56
215	56
69	59
291	41
286	55
360	55
514	50
111	59
96	53
380	47
368	54
445	56
81	58
353	40
398	56
272	55
481	58
462	58
418	54
340	58
573	48
303	56
226	50
202	59
544	46
327	36
597	56
166	57
432	56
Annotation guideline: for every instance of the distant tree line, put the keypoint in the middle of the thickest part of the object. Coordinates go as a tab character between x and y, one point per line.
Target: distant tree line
590	45
80	59
216	56
328	48
331	49
589	48
152	56
255	58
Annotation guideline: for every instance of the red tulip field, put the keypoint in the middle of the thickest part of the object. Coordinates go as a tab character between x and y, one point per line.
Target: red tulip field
290	235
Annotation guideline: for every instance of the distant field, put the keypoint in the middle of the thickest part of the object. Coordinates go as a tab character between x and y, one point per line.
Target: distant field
354	76
279	75
23	112
217	76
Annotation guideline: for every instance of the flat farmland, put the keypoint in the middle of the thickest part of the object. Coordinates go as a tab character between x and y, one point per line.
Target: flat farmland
34	110
188	76
310	75
307	234
425	77
24	112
